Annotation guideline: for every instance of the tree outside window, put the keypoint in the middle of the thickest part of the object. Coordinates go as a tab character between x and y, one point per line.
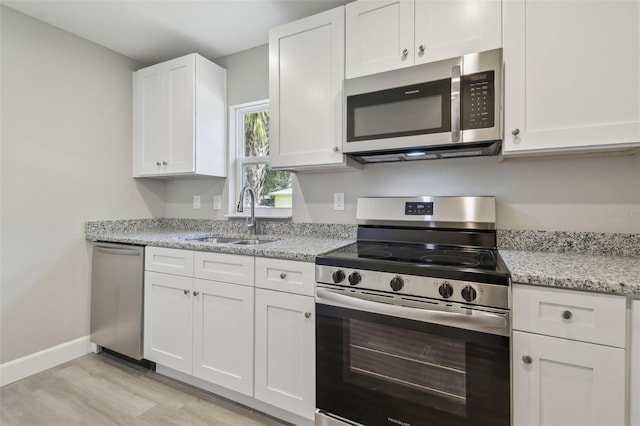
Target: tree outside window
272	187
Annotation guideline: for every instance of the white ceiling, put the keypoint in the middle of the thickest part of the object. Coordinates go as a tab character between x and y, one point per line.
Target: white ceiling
152	31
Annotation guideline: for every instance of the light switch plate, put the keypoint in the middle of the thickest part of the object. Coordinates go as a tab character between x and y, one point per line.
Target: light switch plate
196	202
217	202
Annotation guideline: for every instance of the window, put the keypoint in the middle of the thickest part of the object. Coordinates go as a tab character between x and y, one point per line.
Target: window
250	163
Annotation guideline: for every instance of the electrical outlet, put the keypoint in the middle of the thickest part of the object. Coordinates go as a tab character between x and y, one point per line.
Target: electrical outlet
217	202
338	201
196	202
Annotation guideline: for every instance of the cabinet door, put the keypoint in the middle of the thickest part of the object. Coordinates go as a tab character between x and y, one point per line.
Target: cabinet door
285	351
446	29
150	115
223	334
167	320
180	89
571	75
306	69
567	382
377	35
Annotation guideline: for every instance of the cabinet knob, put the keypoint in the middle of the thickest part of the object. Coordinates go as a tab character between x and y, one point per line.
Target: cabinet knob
527	359
566	315
283	275
307	314
336	149
158	163
195	293
164	163
515	132
405	53
186	291
421	50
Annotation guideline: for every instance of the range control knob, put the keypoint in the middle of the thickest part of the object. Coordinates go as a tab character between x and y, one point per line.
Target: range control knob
338	276
469	293
445	290
354	278
396	283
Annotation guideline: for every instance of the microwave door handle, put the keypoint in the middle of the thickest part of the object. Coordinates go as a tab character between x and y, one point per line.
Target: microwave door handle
455	103
486	319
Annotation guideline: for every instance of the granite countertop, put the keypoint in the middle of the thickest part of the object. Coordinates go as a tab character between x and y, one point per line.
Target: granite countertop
604	263
301	248
587	272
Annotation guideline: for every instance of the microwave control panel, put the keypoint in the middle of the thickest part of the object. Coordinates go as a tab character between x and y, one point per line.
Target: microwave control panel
478	100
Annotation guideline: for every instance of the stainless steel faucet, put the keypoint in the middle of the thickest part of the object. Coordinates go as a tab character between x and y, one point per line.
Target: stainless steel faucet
251	225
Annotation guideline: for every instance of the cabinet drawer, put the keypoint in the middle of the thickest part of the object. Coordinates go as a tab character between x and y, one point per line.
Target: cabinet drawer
570	314
285	275
169	261
229	268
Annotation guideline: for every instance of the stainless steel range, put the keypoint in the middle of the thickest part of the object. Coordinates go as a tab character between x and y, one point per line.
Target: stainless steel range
412	320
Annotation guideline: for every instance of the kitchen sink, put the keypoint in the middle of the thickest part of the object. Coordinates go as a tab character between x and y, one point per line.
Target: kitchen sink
218	240
228	240
251	242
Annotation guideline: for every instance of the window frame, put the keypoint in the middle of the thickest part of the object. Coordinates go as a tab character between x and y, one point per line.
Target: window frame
237	161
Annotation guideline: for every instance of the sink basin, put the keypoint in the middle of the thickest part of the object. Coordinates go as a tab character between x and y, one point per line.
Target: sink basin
229	240
251	242
218	240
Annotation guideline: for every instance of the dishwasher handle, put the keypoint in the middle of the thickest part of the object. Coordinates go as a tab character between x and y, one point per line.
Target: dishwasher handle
118	249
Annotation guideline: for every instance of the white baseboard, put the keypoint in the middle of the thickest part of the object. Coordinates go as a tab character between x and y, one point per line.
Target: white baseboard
26	366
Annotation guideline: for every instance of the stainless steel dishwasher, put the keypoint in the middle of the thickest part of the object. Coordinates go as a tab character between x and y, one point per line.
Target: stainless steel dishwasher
117	298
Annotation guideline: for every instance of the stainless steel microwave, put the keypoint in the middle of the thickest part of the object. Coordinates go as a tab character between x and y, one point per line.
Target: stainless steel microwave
449	108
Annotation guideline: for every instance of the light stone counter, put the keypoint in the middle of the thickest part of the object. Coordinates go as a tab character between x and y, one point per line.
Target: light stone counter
598	273
302	242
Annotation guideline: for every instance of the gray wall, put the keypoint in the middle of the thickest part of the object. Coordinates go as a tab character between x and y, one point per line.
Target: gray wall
66	158
600	194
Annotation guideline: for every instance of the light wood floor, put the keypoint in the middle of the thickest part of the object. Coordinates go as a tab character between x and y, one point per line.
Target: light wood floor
100	389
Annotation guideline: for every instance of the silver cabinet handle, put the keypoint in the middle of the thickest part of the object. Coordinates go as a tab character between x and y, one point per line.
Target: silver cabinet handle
527	359
307	314
186	291
164	163
336	149
515	132
195	293
566	315
421	49
158	163
405	53
283	275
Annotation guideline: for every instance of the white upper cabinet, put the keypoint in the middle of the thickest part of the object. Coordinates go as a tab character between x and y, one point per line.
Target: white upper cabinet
571	76
306	69
179	118
387	35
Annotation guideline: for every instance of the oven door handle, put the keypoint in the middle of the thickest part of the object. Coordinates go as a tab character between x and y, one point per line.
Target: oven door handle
474	319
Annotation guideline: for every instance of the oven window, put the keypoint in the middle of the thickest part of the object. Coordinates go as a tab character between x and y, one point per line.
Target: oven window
372	367
407	364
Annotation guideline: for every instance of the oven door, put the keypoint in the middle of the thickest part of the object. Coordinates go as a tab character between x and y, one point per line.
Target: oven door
397	362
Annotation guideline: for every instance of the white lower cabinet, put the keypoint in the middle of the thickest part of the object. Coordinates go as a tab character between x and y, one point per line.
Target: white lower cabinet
564	382
569	358
202	327
223	334
240	323
168	329
285	368
285	351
